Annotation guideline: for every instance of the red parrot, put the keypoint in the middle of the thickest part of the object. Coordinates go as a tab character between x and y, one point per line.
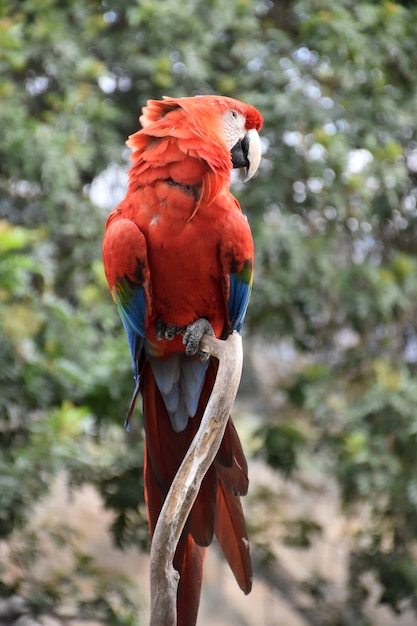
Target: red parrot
178	256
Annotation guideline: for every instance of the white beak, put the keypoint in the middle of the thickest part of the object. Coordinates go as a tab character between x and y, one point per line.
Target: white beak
254	153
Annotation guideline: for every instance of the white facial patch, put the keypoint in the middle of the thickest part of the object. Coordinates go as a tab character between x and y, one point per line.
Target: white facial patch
233	127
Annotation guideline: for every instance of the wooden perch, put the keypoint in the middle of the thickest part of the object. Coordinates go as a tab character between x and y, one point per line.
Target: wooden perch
185	487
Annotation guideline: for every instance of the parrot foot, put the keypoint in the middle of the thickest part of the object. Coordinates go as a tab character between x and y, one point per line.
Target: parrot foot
192	337
166	331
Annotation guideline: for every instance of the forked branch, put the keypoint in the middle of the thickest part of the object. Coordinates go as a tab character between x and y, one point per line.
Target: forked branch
186	484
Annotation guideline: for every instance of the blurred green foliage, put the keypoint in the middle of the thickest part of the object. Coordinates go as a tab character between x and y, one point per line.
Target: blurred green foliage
333	212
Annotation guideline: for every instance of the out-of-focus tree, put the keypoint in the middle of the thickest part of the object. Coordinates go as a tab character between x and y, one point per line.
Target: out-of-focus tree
333	213
337	266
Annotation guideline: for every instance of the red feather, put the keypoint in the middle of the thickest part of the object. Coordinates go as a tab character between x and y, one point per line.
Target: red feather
230	529
189	560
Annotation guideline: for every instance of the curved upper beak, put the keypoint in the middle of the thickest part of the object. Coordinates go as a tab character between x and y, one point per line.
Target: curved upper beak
247	152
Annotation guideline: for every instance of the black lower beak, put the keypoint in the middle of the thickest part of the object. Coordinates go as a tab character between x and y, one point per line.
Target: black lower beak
240	153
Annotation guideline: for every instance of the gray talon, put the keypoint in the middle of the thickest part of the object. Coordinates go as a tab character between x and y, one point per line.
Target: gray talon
166	331
170	332
193	335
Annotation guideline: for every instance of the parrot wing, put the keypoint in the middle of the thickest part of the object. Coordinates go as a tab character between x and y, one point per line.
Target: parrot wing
237	254
127	272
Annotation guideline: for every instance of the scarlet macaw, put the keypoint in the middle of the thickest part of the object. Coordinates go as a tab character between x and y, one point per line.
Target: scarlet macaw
178	256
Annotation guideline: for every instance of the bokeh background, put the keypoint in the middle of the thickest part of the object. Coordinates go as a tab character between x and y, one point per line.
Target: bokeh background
328	401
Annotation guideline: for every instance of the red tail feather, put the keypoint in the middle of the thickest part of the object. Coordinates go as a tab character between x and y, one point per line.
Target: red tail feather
188	561
230	530
216	509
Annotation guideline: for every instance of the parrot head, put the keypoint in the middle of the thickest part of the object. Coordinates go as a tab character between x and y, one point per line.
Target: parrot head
227	127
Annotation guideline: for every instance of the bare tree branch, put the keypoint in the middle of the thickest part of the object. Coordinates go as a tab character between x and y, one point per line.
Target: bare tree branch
186	484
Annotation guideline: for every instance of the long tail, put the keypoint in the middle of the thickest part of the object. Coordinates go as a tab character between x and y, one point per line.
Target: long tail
217	508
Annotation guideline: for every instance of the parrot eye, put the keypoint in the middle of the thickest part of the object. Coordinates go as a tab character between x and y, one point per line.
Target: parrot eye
234	114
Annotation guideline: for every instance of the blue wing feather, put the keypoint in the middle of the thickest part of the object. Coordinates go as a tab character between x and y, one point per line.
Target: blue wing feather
131	304
239	294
